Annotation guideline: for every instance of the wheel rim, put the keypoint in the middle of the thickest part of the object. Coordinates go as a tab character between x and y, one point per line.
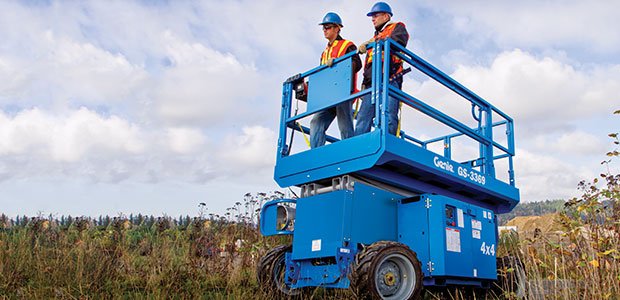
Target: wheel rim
395	277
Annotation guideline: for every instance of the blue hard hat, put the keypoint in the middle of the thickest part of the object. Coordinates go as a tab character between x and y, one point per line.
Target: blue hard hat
380	7
332	18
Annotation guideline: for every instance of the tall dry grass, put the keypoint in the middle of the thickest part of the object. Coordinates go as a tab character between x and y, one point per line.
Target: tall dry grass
582	260
211	258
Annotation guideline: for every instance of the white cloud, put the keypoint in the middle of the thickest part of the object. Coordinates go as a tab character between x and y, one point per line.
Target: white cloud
202	86
97	56
11	79
64	71
185	140
538	23
280	39
543	89
67	139
253	149
537	92
543	177
575	143
83	143
86	72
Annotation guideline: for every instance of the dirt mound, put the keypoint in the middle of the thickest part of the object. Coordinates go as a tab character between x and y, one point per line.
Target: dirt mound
544	223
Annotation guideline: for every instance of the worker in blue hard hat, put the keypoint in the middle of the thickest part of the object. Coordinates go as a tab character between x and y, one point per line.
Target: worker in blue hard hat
381	15
336	47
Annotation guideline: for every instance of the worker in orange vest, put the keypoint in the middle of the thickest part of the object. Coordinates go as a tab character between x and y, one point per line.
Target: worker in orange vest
336	47
381	15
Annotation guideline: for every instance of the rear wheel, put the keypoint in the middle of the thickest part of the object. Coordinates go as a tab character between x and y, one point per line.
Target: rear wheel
386	270
271	272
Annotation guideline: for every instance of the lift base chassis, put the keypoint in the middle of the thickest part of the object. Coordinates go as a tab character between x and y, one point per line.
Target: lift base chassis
455	241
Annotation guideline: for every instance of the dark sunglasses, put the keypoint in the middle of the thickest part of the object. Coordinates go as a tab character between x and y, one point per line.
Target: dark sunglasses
328	27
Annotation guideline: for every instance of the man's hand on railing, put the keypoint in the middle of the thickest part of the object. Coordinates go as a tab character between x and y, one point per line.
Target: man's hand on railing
330	62
362	48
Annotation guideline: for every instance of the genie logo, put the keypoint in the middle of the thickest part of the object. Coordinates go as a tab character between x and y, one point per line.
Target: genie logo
443	164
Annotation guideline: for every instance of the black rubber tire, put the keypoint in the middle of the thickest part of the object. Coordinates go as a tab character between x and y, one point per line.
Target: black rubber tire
511	278
270	276
364	270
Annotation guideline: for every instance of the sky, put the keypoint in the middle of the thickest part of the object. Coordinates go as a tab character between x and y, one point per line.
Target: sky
119	107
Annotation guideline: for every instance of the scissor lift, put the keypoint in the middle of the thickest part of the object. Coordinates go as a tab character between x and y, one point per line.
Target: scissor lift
385	214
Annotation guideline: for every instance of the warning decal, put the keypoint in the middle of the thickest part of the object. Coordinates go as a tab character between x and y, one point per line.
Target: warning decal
316	245
459	218
475	224
453	240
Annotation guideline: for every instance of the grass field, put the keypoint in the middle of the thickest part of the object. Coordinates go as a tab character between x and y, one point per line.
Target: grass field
215	257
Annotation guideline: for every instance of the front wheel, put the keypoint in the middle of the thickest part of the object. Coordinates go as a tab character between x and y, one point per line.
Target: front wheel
386	270
271	273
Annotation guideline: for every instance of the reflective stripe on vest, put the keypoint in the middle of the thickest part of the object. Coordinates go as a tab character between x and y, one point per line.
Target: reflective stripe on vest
385	33
337	49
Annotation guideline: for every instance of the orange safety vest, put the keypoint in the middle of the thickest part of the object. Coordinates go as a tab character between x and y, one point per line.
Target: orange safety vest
337	49
385	33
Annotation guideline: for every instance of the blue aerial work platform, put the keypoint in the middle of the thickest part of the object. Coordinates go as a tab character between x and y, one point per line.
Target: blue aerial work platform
429	219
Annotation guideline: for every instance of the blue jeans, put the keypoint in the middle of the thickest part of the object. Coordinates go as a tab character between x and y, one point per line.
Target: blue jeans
322	119
367	113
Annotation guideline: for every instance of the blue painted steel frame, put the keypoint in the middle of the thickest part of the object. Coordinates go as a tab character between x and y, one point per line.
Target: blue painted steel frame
268	217
456	249
376	153
330	226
